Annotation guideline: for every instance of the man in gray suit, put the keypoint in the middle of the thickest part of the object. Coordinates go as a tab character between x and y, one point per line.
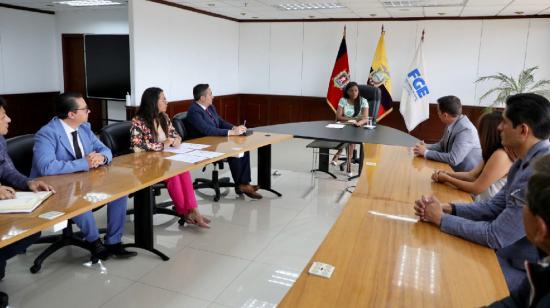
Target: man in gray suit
459	146
498	222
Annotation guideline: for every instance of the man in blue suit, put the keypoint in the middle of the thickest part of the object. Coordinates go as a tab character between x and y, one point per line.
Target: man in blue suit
10	178
66	145
497	222
203	120
459	147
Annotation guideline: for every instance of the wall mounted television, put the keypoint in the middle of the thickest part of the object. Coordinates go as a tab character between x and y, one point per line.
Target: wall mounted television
107	66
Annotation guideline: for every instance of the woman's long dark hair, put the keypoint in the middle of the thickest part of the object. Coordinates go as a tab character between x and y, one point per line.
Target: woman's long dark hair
149	113
357	102
489	136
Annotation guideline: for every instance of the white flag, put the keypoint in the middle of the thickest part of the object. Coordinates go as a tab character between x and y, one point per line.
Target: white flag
415	105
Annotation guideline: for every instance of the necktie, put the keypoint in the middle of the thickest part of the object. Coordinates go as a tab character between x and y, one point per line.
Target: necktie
210	115
77	152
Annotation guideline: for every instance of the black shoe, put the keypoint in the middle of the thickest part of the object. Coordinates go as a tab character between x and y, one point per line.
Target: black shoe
3	300
98	250
119	251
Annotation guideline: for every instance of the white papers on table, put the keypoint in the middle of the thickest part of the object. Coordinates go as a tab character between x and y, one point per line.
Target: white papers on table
194	146
332	125
186	147
178	150
194	156
24	202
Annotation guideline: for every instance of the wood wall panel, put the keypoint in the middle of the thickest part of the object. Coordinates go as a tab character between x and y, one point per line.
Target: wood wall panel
260	110
29	111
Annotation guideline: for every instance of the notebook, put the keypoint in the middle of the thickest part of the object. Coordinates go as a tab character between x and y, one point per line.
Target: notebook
24	202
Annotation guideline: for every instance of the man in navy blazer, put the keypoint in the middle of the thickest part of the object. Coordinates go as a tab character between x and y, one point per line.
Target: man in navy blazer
459	147
66	145
203	120
10	178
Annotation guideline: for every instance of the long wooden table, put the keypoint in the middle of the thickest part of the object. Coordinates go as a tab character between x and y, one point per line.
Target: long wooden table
132	173
384	257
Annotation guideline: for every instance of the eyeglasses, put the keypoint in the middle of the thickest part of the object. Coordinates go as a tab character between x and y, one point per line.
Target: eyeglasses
518	196
85	108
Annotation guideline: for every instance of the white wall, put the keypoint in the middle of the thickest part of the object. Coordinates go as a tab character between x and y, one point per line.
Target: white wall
297	58
98	21
27	52
176	49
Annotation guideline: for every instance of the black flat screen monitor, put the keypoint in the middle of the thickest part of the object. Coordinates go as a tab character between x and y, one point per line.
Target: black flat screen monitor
107	66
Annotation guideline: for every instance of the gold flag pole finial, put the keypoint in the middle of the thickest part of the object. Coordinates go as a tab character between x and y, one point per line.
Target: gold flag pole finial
344	31
383	29
423	32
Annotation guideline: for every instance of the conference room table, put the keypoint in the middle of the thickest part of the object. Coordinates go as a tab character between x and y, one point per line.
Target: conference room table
131	173
385	257
348	134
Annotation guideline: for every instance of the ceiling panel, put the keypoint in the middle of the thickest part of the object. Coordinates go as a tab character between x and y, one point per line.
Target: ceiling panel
442	11
265	9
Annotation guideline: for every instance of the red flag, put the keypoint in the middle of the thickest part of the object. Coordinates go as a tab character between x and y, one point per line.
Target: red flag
340	75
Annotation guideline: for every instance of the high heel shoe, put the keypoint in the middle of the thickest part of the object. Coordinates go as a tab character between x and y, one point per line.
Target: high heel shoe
198	220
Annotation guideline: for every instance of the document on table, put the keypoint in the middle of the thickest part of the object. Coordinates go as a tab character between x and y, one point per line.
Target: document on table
24	202
186	147
194	156
332	125
194	146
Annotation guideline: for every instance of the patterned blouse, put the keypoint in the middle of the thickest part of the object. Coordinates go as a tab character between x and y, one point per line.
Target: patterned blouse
142	138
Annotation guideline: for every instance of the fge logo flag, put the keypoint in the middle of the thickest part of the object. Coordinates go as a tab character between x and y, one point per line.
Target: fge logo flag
415	106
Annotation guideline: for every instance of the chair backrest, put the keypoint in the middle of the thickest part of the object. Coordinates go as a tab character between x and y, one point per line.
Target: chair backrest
373	95
20	151
116	137
178	121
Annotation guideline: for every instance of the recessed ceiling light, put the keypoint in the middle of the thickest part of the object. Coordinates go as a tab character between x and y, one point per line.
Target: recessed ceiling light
372	15
211	4
519	12
254	17
311	16
404	10
440	13
88	2
308	6
243	14
422	3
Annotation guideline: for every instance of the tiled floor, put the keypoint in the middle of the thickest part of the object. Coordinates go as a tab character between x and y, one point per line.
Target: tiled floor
249	258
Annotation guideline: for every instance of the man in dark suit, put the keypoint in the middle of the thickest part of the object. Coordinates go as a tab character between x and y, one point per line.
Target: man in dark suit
10	177
203	120
459	146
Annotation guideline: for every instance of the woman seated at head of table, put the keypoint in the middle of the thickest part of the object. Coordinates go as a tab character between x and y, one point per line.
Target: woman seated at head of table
353	109
485	180
152	130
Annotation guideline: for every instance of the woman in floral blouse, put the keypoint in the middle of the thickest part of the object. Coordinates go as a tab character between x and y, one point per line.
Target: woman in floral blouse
152	131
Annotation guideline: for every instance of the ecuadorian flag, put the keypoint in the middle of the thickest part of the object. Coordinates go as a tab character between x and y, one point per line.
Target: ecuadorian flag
380	77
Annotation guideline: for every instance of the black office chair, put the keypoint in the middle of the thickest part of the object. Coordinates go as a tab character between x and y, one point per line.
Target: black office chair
116	137
373	95
20	151
215	183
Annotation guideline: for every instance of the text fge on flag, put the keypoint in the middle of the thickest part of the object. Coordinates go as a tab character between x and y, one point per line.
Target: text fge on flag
415	106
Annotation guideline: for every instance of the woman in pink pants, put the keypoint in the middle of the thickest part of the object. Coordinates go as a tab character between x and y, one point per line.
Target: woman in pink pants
152	131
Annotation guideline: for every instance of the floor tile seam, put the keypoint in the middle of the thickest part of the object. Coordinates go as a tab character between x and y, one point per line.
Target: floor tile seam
174	291
231	282
276	235
221	254
115	295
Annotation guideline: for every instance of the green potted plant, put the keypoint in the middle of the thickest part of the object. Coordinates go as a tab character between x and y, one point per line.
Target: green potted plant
508	86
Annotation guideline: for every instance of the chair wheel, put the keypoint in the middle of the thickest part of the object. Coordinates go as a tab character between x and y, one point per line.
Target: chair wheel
216	199
181	221
342	167
35	268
